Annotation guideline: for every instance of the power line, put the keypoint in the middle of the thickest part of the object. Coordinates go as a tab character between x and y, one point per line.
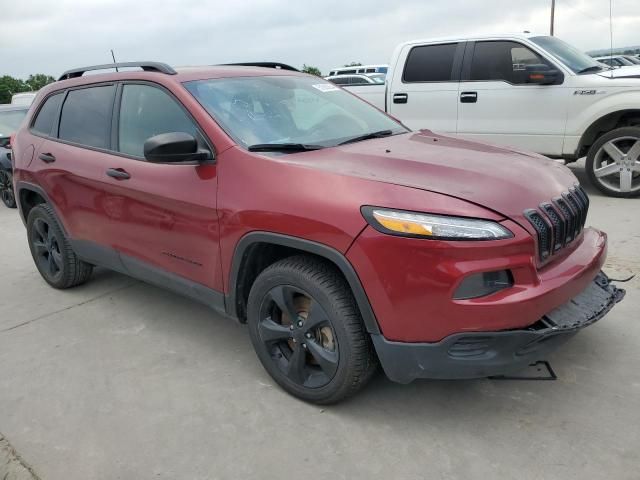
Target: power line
572	6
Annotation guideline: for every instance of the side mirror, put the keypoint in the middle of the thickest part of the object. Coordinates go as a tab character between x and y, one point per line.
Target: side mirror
174	147
543	75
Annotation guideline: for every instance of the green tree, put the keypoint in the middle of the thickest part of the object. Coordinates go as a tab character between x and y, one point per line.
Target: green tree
10	86
39	80
353	64
311	70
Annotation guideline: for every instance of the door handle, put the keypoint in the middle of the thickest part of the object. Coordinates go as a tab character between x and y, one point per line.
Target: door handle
468	97
47	157
118	174
400	98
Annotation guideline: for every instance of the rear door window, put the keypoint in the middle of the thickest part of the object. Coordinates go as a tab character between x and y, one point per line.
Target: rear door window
430	63
46	117
146	111
86	116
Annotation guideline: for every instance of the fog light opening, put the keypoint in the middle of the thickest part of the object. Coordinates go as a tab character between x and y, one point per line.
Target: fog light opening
482	284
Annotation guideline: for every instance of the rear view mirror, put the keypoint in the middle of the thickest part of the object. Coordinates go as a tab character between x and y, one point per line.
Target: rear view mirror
174	147
543	75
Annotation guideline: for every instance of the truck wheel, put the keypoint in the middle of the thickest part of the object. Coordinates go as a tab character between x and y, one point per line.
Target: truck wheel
307	330
613	162
6	189
51	251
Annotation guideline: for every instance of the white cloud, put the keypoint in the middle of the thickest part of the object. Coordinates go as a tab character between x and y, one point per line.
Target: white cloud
50	37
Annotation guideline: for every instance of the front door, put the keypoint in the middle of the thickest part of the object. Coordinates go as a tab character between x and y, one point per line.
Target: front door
163	216
498	105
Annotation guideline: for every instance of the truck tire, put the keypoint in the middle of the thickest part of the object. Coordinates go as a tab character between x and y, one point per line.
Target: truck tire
307	330
613	163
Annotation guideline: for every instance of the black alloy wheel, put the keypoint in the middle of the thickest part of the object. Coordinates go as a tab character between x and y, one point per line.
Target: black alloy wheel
307	330
51	250
297	333
6	189
46	249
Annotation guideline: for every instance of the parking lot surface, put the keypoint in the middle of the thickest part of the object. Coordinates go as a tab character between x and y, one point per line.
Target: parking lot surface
117	379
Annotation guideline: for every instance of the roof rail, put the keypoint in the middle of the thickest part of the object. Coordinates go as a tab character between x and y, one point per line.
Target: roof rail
146	66
279	66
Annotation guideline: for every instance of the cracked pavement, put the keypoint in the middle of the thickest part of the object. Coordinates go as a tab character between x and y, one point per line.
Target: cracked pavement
119	379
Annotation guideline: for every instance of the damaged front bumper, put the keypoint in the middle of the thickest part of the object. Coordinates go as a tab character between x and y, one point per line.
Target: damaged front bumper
485	354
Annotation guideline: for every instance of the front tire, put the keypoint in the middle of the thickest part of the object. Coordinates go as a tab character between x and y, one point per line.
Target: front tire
613	163
6	189
307	330
51	251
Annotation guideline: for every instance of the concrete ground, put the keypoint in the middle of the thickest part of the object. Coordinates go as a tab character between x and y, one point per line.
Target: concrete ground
120	380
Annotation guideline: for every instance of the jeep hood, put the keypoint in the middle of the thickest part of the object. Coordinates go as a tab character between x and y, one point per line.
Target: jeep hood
503	180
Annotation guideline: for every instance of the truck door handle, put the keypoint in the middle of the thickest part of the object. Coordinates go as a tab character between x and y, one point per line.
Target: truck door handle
47	157
118	174
468	97
400	98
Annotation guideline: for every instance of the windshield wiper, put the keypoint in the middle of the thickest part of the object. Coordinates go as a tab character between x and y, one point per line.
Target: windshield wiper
593	68
283	147
368	136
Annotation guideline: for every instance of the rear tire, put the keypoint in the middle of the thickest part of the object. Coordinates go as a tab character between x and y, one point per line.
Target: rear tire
51	251
6	189
613	163
320	352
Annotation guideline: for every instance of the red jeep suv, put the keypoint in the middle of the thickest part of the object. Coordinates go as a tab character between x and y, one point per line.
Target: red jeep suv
341	238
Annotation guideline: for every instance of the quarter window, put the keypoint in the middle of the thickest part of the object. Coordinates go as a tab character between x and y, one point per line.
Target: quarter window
430	63
505	61
86	116
147	111
47	114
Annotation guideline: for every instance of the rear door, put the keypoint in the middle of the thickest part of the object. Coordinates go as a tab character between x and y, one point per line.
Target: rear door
498	105
162	216
69	162
424	87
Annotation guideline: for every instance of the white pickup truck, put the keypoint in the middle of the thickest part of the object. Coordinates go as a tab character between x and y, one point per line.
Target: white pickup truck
532	92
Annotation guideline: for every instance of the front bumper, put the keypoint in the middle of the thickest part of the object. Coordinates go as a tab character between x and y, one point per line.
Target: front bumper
484	354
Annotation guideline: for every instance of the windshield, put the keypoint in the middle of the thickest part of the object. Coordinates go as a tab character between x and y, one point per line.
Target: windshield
288	109
378	77
573	58
10	120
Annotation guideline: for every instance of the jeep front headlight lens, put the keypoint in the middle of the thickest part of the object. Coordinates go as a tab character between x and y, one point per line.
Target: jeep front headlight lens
437	227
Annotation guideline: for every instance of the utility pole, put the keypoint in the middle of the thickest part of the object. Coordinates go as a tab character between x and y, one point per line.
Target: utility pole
553	14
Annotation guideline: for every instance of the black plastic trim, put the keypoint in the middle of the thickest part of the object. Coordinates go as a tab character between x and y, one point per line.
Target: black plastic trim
110	258
276	65
22	185
468	355
144	65
309	246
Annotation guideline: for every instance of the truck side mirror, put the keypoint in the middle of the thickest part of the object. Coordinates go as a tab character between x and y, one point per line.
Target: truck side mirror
543	75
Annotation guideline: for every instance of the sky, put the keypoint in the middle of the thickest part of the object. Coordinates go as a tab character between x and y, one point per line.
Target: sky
49	37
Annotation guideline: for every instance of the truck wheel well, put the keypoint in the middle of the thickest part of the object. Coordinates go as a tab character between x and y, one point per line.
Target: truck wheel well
257	250
28	200
622	118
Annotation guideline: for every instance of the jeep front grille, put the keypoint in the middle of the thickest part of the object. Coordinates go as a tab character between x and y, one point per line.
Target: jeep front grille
558	222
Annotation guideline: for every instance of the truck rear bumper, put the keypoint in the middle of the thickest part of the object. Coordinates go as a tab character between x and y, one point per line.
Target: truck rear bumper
484	354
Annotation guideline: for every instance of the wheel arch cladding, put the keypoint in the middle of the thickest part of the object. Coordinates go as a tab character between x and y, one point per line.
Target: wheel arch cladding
257	250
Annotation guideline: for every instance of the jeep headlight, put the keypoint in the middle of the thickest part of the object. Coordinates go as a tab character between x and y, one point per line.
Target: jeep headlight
437	227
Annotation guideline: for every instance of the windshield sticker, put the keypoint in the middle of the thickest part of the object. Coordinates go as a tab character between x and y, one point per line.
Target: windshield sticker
325	87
